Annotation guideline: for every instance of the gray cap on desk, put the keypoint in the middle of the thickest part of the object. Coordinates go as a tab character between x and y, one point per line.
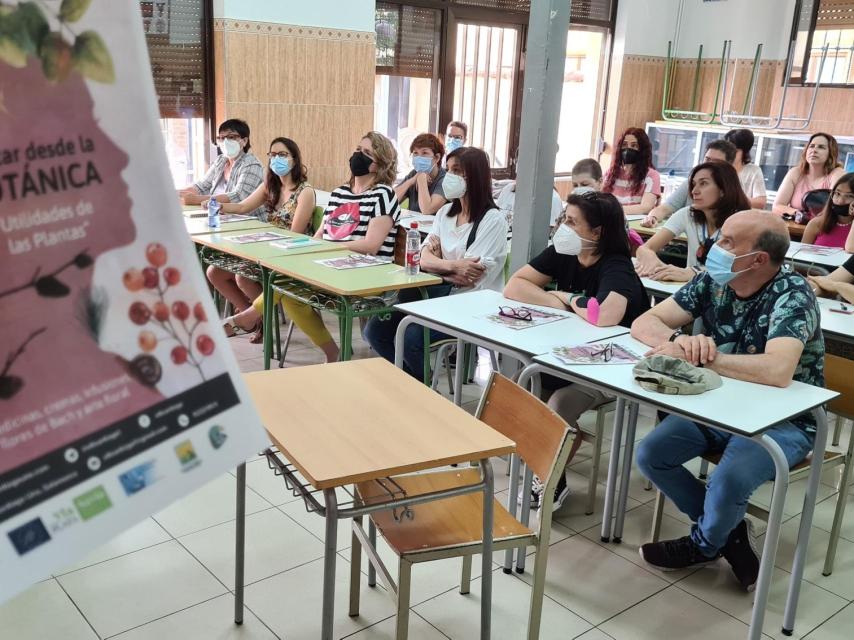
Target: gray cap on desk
666	374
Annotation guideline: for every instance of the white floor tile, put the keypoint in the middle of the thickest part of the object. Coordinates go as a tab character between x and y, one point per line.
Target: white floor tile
825	511
290	603
317	524
572	515
419	629
126	592
211	620
674	614
718	587
837	628
458	616
594	634
274	543
43	611
145	534
581	573
213	504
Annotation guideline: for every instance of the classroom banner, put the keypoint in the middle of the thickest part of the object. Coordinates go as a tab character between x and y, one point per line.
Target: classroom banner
118	390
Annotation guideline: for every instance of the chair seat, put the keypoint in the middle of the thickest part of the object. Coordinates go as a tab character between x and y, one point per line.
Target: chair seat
440	524
715	458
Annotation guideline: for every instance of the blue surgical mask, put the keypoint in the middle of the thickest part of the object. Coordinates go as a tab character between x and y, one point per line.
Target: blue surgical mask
453	144
719	264
422	164
280	166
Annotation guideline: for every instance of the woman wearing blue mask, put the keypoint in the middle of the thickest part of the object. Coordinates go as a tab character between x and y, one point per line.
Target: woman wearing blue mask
423	185
288	200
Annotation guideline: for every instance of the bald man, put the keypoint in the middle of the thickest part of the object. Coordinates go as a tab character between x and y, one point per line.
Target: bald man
761	324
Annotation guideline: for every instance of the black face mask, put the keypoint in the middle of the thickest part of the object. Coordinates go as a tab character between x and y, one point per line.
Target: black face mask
360	164
839	209
629	156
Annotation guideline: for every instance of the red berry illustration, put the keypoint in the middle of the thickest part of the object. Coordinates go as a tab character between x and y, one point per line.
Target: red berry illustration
150	278
133	280
172	276
155	253
205	345
199	312
179	355
161	311
147	341
139	313
180	310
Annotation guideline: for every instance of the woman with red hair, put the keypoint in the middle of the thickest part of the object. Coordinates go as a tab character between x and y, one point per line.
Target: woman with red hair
632	179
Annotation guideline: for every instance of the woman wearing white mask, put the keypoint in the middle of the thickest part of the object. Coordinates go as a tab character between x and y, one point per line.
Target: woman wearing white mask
466	247
589	258
234	175
423	185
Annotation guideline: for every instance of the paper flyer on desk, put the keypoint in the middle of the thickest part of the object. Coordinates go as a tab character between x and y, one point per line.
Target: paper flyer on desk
118	390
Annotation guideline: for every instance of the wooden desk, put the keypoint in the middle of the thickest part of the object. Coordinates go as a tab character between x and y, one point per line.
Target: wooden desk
796	231
389	424
745	409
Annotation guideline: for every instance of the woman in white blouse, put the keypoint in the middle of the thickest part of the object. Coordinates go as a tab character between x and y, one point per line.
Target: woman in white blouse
466	247
749	174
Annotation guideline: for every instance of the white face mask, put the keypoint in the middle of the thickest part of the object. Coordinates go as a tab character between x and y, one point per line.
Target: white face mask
453	186
567	242
231	148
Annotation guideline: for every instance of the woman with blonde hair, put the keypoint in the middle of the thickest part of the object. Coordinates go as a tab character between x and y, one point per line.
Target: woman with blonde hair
361	215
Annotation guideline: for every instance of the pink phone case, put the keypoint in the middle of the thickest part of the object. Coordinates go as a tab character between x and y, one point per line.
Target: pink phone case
592	311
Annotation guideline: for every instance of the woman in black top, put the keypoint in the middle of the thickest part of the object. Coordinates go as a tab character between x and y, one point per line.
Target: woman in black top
590	258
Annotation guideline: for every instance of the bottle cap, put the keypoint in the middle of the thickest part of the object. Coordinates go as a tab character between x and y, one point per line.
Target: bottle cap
413	225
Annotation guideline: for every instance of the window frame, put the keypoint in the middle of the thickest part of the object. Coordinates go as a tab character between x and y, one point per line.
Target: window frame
801	81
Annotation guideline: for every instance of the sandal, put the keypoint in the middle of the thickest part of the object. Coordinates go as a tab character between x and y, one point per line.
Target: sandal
258	338
233	329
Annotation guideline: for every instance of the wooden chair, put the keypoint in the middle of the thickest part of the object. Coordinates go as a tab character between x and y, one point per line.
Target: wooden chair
453	527
838	376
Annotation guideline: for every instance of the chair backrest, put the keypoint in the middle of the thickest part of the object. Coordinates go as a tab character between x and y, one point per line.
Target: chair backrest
317	218
541	435
839	376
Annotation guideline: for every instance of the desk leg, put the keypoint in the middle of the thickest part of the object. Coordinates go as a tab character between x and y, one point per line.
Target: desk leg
772	536
267	316
347	331
240	543
806	521
613	465
329	559
486	577
458	373
512	506
626	473
524	514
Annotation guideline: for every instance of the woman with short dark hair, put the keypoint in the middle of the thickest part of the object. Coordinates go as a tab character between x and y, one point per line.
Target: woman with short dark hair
423	185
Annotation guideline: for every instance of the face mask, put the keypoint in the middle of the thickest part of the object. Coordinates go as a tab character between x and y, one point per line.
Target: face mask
360	164
580	191
231	148
422	164
719	264
280	166
453	186
567	242
453	144
629	156
840	209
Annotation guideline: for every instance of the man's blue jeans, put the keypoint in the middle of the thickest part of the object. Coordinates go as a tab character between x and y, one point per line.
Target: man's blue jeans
718	507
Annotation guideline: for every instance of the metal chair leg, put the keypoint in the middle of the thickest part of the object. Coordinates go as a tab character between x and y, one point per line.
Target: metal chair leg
404	581
704	469
372	538
839	513
657	516
355	570
593	481
441	356
837	430
285	346
465	578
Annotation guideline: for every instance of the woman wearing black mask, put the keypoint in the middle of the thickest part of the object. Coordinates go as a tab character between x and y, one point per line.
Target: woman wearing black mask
832	227
631	178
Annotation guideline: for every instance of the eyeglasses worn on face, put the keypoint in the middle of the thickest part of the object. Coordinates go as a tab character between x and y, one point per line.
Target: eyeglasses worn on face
230	136
278	154
517	313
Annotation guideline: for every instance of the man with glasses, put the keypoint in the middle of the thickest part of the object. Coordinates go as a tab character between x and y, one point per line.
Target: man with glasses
234	175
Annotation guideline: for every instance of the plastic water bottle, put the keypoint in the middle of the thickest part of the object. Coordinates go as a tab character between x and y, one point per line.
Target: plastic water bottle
213	213
413	250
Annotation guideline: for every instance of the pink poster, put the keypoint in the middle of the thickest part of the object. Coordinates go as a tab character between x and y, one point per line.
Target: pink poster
117	394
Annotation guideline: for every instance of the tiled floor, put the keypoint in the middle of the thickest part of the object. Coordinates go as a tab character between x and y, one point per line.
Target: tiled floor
172	575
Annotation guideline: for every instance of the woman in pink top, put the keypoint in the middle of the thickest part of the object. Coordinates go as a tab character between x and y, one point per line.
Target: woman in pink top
632	179
831	227
818	169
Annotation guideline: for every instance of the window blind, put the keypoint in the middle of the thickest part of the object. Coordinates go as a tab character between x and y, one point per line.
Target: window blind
407	40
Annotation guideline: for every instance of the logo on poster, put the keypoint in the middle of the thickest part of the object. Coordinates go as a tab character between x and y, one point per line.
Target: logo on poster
29	536
93	502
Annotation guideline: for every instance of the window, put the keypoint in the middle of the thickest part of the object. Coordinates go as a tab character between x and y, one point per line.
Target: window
824	29
179	38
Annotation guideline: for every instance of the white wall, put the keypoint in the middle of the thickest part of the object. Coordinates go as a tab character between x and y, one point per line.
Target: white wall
354	15
644	27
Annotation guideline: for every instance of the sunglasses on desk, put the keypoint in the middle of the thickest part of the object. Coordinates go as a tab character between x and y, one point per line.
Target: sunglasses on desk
518	313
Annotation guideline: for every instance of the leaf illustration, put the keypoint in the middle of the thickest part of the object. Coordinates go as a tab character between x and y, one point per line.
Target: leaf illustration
14	39
55	54
11	51
73	10
32	21
92	59
9	386
50	287
83	260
